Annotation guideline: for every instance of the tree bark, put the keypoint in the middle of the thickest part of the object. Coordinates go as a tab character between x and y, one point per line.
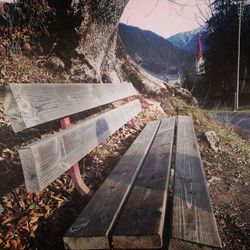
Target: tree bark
95	52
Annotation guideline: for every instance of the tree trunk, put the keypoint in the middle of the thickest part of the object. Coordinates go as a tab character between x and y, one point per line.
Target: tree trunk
95	53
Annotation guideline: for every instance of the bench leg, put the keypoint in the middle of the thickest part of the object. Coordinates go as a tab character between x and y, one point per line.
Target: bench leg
75	174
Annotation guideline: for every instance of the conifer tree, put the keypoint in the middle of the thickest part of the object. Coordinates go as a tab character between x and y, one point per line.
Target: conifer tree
222	44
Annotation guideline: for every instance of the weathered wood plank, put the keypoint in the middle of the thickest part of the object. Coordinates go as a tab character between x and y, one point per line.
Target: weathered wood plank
141	222
28	105
92	228
193	219
45	160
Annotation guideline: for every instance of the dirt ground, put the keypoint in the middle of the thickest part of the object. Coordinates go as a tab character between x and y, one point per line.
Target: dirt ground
229	190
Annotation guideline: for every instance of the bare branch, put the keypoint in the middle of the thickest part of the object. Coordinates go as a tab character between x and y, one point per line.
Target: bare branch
153	9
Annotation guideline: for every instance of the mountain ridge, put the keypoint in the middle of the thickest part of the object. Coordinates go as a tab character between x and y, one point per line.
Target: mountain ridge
188	40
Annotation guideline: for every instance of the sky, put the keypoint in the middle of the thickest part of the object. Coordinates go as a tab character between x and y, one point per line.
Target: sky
166	18
163	17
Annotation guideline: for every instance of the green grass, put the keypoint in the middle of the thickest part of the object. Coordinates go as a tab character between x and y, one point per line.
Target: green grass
246	110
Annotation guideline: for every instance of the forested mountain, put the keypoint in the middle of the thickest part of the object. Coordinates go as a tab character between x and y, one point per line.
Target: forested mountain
153	52
188	40
183	40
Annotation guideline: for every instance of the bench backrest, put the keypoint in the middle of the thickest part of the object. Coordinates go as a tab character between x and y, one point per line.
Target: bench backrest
29	105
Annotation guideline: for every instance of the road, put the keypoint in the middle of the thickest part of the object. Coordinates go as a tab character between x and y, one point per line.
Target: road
238	119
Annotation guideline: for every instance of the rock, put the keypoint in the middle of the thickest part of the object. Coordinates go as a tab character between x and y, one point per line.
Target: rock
186	95
213	140
27	47
151	105
213	178
56	63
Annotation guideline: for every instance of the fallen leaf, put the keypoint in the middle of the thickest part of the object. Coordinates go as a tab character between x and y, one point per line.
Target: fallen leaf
18	242
25	227
7	245
9	204
34	219
58	182
8	220
34	228
32	235
13	244
57	198
32	206
59	204
23	220
37	214
21	203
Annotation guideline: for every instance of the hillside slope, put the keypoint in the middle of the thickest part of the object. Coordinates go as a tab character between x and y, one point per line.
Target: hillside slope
153	52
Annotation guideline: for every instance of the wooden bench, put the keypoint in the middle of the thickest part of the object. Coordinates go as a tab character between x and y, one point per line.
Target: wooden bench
29	105
129	210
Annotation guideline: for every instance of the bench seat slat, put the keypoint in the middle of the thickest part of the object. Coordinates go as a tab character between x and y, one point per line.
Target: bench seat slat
92	228
28	105
45	160
141	222
193	222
